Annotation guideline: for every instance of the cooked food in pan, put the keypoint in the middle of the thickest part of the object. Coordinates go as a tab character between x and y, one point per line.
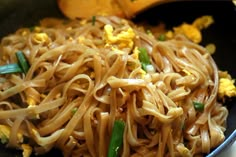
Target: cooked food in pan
106	87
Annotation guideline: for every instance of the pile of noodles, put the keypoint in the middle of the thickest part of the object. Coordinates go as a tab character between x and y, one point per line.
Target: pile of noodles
79	83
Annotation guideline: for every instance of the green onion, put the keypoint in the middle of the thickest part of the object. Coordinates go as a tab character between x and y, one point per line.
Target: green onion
149	32
22	61
144	58
198	106
211	48
162	37
116	138
93	20
21	66
183	126
32	28
10	68
74	110
4	139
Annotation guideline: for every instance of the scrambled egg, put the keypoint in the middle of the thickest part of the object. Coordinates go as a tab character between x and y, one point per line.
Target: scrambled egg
81	39
226	86
24	33
32	103
203	22
142	73
83	21
135	53
27	150
5	134
37	29
192	31
41	38
123	39
189	31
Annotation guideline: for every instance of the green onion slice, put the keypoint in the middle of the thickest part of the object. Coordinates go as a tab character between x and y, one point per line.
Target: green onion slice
32	28
10	68
116	138
93	20
4	139
22	61
144	58
74	110
162	37
198	106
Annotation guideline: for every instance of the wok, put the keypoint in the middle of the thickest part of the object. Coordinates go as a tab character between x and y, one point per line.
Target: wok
26	13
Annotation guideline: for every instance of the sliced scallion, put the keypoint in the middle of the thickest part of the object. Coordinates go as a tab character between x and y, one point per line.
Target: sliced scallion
116	138
198	106
161	37
74	110
22	61
93	20
4	139
10	68
144	58
32	28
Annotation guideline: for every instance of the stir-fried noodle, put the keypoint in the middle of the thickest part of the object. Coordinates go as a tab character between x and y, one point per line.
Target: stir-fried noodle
85	75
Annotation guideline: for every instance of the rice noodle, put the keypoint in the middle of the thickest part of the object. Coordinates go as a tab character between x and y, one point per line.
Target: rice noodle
76	68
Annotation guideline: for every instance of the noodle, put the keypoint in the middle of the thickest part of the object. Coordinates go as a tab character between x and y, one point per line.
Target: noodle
83	76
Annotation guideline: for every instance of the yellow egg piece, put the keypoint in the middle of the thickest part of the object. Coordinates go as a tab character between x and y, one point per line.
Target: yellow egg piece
226	88
189	31
40	38
122	39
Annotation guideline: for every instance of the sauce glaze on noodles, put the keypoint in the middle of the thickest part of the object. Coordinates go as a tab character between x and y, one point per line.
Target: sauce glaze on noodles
74	68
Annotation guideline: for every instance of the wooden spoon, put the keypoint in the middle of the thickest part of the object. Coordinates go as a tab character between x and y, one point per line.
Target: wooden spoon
88	8
133	7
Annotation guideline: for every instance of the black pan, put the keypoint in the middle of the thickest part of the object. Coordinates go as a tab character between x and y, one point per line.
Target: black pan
25	13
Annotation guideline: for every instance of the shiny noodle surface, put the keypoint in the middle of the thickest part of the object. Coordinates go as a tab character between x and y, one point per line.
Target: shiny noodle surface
80	81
